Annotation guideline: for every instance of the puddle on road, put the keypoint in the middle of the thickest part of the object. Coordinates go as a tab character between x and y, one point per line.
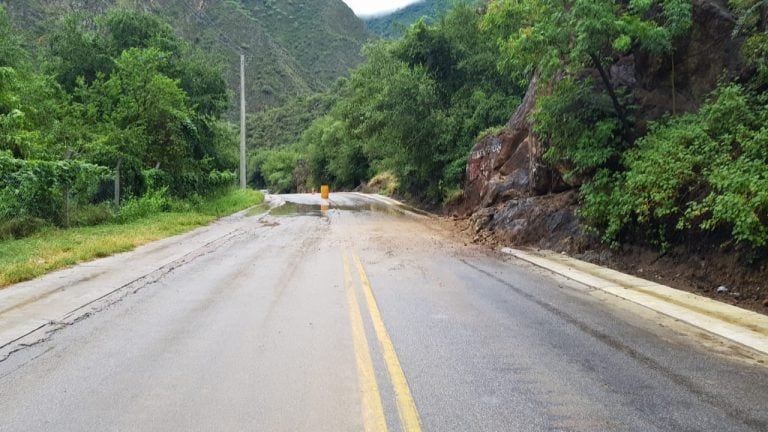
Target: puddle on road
258	209
294	209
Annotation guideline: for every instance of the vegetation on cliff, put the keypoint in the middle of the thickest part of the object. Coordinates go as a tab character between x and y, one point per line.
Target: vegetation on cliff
683	176
704	171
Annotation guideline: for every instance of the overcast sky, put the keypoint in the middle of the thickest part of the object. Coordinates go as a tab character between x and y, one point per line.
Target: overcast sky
377	7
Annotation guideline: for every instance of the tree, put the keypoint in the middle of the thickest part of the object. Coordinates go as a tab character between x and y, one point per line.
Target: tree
753	22
149	98
74	52
11	52
586	125
414	108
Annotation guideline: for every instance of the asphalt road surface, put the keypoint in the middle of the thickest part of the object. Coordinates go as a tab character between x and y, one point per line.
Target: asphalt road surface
362	316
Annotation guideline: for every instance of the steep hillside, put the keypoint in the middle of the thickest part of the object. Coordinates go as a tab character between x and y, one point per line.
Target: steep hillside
293	48
392	25
679	196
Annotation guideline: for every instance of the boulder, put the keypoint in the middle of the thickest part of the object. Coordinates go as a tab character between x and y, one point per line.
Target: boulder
547	221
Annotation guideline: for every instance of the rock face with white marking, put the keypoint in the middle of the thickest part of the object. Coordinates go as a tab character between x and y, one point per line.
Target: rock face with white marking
508	165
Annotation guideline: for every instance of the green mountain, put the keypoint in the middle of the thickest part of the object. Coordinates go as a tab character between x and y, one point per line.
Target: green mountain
293	48
392	25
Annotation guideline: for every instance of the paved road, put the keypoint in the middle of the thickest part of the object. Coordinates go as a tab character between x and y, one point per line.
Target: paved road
365	317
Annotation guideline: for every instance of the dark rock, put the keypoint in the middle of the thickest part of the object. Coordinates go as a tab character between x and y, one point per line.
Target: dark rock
481	219
508	165
547	221
708	53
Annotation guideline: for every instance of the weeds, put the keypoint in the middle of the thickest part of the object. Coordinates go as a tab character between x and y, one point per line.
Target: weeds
53	248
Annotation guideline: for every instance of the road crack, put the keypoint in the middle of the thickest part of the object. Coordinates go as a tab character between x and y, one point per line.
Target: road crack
113	297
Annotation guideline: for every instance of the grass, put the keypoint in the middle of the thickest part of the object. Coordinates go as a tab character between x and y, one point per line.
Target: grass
452	196
384	183
53	248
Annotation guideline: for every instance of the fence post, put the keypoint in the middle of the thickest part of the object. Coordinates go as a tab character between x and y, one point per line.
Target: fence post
117	183
66	206
67	156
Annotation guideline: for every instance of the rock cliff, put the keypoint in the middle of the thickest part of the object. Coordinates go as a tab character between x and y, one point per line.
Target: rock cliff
512	195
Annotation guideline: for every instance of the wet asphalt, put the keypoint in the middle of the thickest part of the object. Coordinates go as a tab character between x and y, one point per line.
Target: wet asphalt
256	334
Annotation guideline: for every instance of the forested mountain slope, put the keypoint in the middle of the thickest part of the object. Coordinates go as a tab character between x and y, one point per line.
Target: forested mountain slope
394	24
293	48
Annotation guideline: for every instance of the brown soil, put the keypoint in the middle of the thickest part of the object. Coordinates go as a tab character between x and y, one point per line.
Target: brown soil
701	271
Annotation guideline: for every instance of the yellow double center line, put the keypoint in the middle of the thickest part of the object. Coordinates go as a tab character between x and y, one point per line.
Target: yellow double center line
373	412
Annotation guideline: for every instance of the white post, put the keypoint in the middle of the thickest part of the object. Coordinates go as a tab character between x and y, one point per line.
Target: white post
242	121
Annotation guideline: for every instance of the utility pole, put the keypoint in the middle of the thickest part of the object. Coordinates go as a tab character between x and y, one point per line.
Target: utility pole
242	121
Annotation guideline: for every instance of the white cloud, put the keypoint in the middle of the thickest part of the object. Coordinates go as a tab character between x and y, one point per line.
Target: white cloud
365	8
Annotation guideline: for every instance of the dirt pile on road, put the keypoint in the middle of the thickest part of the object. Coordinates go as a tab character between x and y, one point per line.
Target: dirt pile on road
549	223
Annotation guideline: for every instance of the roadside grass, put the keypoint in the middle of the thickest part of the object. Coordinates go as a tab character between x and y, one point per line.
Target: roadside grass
55	248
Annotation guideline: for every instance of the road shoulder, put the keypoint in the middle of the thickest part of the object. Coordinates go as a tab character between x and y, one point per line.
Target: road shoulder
31	310
744	327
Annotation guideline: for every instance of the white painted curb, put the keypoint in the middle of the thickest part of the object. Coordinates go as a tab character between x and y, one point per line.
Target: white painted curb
744	327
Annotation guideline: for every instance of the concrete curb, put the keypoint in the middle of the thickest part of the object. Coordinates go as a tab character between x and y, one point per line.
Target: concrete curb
744	327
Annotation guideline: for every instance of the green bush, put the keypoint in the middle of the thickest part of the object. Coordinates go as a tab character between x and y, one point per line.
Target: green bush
92	214
20	227
151	203
275	167
580	126
453	197
384	183
37	189
156	179
490	131
699	172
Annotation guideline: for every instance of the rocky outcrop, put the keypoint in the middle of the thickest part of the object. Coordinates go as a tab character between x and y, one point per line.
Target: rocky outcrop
508	165
710	52
510	191
545	221
513	195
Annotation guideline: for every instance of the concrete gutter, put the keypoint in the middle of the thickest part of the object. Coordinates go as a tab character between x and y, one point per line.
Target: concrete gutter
744	327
